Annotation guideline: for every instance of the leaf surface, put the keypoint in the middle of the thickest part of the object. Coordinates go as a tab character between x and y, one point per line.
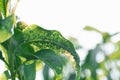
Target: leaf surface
6	26
30	71
55	61
3	7
5	75
39	39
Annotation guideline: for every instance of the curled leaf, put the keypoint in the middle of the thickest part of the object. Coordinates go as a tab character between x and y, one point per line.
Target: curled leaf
39	39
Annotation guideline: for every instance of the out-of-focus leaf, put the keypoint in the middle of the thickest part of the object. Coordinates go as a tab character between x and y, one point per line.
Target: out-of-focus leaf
90	63
106	37
40	38
0	16
3	7
72	77
115	34
5	75
102	66
89	28
74	42
116	54
6	26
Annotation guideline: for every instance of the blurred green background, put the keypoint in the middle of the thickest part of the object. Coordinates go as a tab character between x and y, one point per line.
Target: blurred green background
103	61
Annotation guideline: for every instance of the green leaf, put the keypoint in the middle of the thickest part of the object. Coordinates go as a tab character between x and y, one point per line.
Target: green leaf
40	38
5	75
30	71
25	51
3	7
3	51
106	37
21	25
0	17
46	73
53	60
17	62
27	71
90	62
6	26
74	42
39	65
115	34
1	57
89	28
116	54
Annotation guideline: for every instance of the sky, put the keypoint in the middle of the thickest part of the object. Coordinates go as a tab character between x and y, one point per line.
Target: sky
71	16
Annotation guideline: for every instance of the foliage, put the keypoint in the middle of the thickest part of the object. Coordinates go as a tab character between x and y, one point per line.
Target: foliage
103	60
24	48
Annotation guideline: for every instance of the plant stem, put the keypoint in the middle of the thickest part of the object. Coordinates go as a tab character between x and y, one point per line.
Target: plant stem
11	57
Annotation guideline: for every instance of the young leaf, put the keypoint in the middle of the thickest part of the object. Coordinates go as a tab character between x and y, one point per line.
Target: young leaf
6	26
40	38
89	28
3	6
21	25
106	37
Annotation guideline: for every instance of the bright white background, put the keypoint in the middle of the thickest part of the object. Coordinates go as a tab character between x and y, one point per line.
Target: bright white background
71	16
